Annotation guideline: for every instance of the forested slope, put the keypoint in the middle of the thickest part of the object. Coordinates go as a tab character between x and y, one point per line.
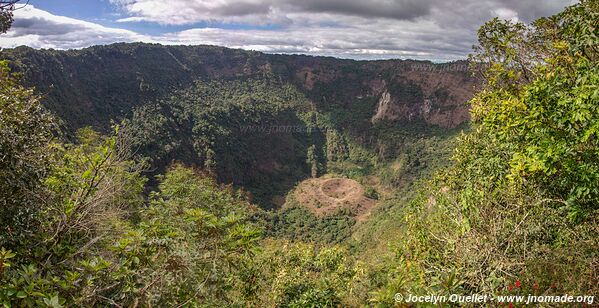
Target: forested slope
143	214
250	117
96	84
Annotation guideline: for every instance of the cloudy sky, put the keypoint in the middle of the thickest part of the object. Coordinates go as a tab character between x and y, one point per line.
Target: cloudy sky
438	30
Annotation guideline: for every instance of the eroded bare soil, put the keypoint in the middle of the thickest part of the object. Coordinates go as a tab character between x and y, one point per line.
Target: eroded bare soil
328	195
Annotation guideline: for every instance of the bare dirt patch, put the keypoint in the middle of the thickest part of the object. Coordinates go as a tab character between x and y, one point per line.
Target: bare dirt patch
328	195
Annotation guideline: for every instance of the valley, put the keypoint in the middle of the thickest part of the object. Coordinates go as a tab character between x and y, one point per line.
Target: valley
363	130
150	175
189	104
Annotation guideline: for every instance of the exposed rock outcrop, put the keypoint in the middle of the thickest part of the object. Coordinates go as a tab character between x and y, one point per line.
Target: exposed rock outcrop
441	98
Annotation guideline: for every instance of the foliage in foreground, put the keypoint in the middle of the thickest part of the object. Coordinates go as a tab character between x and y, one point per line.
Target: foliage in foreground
89	237
520	201
79	230
518	207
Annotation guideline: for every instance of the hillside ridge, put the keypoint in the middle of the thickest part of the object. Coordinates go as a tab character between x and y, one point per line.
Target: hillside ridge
91	86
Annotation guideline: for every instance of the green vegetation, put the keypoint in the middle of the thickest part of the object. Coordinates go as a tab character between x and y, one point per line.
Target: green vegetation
519	201
26	132
246	132
299	224
120	219
370	192
6	14
301	275
412	152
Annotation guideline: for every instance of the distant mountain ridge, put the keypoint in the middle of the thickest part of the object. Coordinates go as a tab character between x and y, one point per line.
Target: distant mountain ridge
91	86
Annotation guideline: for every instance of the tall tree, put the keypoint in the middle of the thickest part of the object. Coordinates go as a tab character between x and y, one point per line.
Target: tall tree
26	130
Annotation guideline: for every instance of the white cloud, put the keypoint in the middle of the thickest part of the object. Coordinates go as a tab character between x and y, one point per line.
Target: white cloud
264	11
506	14
39	29
178	12
420	29
380	39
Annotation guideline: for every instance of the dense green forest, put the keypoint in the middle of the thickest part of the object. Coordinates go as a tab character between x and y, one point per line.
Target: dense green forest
184	184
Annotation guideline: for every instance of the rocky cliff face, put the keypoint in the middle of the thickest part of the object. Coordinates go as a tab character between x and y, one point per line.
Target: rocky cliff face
440	98
404	90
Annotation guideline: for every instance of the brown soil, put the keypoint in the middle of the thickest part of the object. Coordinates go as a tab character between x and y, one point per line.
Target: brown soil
328	195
